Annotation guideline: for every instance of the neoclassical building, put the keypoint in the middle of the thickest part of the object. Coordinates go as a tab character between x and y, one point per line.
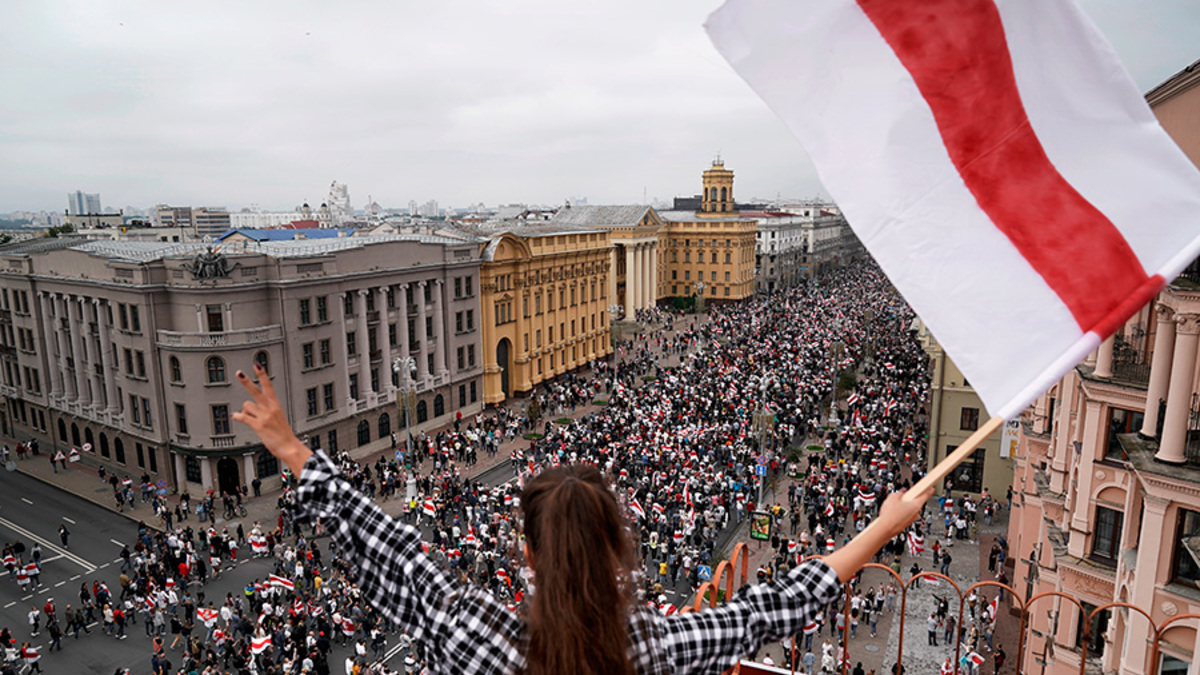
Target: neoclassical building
545	292
131	347
634	231
1107	480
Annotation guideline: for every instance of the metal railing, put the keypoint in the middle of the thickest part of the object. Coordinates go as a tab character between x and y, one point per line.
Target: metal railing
726	580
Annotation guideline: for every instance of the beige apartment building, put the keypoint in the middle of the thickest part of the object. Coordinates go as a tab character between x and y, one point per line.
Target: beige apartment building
1107	481
132	347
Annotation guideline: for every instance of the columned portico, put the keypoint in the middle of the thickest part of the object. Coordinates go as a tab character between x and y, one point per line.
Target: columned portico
385	342
631	275
439	329
363	344
423	373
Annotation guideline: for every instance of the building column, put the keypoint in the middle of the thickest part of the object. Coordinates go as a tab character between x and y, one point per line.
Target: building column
439	327
1104	360
50	344
643	274
1179	396
89	374
81	390
1138	632
110	379
423	339
249	471
1160	369
612	276
64	341
206	477
228	310
654	275
630	268
177	462
1083	490
200	327
364	344
385	369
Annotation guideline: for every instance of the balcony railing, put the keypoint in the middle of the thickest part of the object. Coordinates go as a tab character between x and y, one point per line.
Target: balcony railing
1129	362
235	338
1040	622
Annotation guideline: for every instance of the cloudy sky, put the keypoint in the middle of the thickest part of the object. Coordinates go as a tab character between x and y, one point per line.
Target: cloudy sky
242	103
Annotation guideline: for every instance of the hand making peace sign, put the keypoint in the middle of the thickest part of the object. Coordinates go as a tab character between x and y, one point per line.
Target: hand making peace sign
264	415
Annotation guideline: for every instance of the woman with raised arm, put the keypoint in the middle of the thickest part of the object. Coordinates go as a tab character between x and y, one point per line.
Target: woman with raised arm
582	617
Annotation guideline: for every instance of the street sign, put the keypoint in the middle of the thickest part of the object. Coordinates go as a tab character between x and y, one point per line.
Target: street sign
760	470
704	572
760	525
762	459
161	487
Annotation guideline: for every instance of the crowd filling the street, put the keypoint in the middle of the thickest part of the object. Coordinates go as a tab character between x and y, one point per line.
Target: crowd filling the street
706	424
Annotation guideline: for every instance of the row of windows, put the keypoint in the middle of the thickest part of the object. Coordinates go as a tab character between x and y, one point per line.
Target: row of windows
687	275
687	257
214	366
20	301
326	398
33	377
146	455
675	290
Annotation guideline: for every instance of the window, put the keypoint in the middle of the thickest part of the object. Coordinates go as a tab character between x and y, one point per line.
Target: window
392	334
371	302
181	419
375	379
429	362
141	363
1106	540
135	322
176	371
470	356
1095	632
458	322
469	283
123	313
220	419
215	318
348	304
1120	421
969	419
422	412
385	425
146	413
364	433
352	343
462	395
462	357
1183	563
216	369
714	256
306	351
261	359
128	361
439	406
727	276
327	394
458	287
353	385
727	290
305	312
191	467
474	396
322	309
141	454
968	476
333	443
326	359
470	320
428	327
310	396
136	410
267	465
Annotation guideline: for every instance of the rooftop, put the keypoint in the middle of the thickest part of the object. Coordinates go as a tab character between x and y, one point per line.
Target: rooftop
587	215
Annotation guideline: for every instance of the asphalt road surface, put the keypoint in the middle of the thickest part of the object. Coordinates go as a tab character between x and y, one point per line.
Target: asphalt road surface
31	511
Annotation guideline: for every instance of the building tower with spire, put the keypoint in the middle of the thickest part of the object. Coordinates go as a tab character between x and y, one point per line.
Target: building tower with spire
717	196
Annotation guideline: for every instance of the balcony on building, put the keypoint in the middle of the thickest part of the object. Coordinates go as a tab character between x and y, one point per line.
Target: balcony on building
232	338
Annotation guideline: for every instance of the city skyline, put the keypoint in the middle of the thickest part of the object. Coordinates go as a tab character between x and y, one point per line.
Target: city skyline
459	103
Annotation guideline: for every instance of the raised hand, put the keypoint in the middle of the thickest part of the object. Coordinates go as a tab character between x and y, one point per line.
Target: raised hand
264	415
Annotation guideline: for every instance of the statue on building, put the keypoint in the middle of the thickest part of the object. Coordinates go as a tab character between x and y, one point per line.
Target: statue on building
209	264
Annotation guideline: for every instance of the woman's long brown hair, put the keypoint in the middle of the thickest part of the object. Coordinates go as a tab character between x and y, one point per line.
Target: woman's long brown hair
583	558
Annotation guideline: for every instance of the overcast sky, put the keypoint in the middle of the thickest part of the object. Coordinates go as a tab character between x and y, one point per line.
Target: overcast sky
241	103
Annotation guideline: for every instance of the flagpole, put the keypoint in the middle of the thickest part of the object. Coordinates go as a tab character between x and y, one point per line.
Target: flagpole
960	454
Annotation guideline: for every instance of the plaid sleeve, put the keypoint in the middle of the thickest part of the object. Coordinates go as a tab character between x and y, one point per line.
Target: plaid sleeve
713	640
465	628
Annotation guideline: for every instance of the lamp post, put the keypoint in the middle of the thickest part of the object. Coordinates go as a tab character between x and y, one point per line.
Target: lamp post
614	312
405	366
835	354
769	382
699	286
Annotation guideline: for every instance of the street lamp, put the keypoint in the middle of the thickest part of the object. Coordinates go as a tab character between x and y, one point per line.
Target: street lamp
614	311
769	382
835	355
699	286
406	367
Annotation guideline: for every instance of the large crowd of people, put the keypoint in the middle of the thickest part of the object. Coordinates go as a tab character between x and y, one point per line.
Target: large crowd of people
682	445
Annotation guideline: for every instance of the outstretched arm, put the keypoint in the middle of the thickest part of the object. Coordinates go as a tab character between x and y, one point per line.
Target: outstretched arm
264	415
895	515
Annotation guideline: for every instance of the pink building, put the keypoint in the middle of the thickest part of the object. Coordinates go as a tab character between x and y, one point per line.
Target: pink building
1106	505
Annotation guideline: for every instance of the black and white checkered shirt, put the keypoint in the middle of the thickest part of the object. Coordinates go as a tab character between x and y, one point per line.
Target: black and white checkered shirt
468	631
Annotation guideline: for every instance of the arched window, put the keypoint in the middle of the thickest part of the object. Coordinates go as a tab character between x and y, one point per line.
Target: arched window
88	438
422	412
104	452
119	451
364	433
62	430
216	369
75	435
439	406
712	194
723	193
176	371
385	425
261	359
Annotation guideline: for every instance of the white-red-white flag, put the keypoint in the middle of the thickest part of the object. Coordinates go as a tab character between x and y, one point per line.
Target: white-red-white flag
994	157
259	645
916	543
637	509
281	582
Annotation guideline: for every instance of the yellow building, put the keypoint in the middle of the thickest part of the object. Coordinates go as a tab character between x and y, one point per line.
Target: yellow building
955	412
710	252
545	290
635	231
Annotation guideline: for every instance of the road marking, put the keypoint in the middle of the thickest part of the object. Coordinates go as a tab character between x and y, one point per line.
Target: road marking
116	560
117	542
46	560
68	520
27	501
391	653
59	584
76	577
87	566
10	604
27	597
104	565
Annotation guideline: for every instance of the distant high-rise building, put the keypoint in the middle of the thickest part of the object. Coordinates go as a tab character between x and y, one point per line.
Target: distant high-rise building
210	222
412	207
83	203
340	210
430	209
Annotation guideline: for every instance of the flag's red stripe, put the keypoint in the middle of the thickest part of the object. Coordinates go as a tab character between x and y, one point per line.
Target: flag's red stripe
958	56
